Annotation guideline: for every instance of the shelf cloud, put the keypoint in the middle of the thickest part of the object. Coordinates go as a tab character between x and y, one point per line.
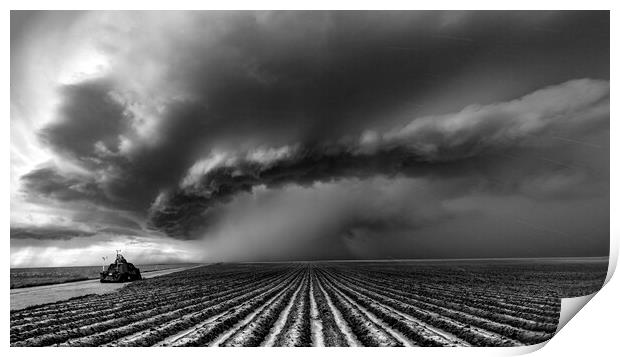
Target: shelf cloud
428	145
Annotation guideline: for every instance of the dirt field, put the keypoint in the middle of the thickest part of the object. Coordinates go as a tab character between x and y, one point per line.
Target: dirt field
24	297
320	304
28	277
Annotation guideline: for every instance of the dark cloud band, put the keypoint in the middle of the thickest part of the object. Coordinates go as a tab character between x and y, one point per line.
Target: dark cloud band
48	232
429	145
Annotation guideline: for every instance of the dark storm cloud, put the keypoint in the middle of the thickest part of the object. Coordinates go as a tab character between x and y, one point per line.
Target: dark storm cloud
320	75
65	233
199	108
84	194
48	182
120	231
436	146
108	218
89	121
48	232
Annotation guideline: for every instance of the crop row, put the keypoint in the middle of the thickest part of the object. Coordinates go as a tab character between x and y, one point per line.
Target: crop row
330	304
296	330
534	323
116	308
511	285
124	320
535	304
452	320
367	332
180	282
209	332
254	332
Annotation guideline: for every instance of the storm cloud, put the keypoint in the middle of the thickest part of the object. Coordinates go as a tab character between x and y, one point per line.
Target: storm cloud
167	124
429	145
49	232
48	182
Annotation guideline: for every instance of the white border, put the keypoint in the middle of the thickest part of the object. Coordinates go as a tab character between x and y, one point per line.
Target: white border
592	331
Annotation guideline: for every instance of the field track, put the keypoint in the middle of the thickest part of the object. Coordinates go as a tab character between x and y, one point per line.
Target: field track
318	304
36	295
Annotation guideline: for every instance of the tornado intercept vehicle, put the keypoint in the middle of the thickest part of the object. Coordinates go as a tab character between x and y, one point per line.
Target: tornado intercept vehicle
120	271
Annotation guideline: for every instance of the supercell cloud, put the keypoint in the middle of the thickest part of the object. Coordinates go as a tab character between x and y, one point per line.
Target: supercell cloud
311	135
426	146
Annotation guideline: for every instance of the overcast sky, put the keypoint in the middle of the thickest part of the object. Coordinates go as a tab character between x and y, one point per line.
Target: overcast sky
226	136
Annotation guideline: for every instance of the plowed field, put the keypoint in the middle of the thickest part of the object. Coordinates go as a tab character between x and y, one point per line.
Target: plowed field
321	304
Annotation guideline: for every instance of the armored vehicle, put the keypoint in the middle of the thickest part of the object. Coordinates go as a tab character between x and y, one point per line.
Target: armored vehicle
120	271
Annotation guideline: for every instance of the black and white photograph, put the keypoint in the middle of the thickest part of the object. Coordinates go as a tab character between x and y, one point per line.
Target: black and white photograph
306	178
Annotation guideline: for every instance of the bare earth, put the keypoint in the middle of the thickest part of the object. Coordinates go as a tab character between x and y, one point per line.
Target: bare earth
24	297
457	303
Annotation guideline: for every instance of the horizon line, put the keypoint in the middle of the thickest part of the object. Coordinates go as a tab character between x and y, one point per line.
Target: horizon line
601	257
